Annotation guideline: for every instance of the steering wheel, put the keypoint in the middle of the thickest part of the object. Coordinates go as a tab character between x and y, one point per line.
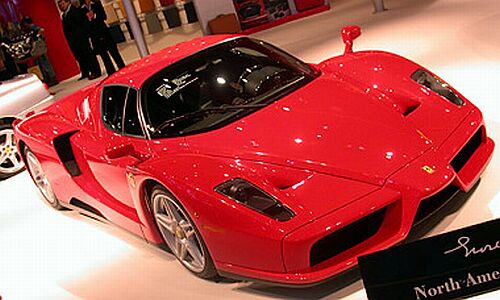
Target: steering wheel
256	78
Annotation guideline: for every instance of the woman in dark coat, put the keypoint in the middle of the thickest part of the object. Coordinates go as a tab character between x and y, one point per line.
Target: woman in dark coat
101	39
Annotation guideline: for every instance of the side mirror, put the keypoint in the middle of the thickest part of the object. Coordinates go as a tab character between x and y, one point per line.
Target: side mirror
349	34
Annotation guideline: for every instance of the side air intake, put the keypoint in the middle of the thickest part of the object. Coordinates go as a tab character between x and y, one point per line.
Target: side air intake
62	144
85	208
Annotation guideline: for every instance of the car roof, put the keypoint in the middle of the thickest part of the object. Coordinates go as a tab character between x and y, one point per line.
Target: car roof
136	73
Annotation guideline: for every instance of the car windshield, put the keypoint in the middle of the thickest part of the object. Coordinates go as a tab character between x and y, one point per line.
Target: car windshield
219	85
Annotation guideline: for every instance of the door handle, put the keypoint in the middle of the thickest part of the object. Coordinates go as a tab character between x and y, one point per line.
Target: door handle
125	150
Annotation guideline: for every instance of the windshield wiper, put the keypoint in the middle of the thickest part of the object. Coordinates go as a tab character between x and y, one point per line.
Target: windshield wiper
204	111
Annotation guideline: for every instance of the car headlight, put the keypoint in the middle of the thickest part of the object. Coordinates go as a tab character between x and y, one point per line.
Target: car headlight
433	83
254	198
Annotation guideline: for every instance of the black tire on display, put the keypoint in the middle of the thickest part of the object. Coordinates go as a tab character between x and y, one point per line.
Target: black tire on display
11	162
180	234
42	183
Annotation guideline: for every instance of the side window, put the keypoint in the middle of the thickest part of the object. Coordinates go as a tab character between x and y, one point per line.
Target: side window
119	110
112	104
131	124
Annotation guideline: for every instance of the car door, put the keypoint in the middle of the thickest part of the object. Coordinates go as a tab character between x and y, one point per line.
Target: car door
117	143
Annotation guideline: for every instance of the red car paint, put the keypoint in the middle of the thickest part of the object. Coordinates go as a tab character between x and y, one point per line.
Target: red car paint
334	152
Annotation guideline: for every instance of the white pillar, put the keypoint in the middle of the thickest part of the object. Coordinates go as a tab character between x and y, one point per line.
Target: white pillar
182	11
136	28
378	5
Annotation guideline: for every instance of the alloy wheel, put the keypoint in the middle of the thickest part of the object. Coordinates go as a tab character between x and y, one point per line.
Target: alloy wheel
178	232
40	179
10	159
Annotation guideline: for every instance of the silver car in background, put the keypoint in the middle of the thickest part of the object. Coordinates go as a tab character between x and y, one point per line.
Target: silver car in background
18	96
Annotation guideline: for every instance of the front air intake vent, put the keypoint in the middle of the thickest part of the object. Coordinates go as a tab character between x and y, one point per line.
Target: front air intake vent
404	105
408	110
465	154
433	204
346	237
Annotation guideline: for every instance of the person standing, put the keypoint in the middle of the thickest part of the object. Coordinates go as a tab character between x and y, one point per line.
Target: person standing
101	39
41	59
9	62
77	36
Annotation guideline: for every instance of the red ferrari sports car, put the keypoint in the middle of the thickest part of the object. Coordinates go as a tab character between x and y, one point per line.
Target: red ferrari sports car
247	162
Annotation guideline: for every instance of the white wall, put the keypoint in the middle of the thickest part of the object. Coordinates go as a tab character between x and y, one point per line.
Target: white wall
209	9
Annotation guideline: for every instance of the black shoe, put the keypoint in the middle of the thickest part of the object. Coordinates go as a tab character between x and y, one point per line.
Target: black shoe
83	77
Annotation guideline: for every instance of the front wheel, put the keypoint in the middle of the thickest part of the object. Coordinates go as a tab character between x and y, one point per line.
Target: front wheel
10	159
40	179
180	234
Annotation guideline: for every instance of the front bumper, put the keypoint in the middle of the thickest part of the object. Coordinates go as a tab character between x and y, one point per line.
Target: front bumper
424	180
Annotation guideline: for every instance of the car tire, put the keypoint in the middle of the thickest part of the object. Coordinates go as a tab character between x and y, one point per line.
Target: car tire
11	162
40	179
180	234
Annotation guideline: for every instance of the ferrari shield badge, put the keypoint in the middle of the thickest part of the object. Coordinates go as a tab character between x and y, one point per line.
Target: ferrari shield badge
428	169
131	179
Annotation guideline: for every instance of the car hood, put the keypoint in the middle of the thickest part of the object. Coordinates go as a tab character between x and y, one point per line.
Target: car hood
329	126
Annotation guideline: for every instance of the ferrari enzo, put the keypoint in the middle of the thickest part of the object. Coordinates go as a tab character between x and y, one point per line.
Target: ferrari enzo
247	162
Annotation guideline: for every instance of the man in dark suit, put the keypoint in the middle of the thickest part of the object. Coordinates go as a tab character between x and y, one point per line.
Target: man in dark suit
77	35
102	42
